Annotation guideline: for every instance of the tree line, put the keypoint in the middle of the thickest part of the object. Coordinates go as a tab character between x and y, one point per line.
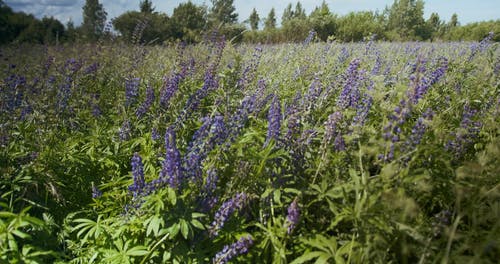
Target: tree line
402	21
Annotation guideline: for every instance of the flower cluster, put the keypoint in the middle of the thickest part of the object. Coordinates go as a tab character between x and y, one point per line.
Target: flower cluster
96	193
131	90
208	196
333	131
292	219
238	248
274	120
125	131
150	97
138	185
249	71
465	135
171	85
171	172
213	132
350	95
227	208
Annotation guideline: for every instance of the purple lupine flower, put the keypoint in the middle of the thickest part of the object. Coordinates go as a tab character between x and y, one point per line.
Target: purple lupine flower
208	197
274	120
350	94
421	85
96	110
91	69
363	110
72	65
210	83
339	143
213	132
64	93
238	248
150	97
344	55
378	64
310	37
418	130
125	131
131	90
465	135
225	211
332	126
171	85
292	219
25	111
154	134
96	193
314	92
249	71
171	168
14	95
481	46
139	183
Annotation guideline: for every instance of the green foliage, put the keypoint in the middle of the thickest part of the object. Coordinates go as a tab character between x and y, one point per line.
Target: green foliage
222	12
189	21
270	22
329	186
94	18
254	20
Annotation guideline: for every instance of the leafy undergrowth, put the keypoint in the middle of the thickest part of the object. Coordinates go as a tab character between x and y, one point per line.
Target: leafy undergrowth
299	153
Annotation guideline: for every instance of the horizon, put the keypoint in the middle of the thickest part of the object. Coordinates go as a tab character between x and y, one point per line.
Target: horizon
66	10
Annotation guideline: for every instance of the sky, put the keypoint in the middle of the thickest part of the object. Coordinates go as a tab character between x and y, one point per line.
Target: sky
64	10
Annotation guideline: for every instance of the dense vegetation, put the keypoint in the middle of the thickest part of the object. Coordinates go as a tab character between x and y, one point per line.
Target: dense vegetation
402	21
348	153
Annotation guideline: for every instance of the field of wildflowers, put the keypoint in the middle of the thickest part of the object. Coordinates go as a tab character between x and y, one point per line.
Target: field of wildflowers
295	153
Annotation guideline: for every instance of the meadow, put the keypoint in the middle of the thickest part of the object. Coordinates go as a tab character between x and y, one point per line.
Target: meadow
314	152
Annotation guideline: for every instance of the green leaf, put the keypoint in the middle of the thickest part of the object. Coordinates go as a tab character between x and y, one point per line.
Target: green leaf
172	197
174	230
307	257
184	228
137	251
197	224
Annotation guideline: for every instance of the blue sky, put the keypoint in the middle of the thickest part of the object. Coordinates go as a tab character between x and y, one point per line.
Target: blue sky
467	10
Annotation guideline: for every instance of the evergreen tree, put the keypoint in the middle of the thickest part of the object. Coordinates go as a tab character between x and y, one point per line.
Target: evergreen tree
254	20
299	12
270	22
287	14
94	18
222	12
146	6
454	21
434	25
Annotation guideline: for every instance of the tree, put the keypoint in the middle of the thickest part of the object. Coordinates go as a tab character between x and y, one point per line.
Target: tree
323	22
287	14
254	20
355	26
299	12
146	7
270	22
222	12
53	30
189	21
434	25
94	17
406	19
71	31
454	21
138	27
